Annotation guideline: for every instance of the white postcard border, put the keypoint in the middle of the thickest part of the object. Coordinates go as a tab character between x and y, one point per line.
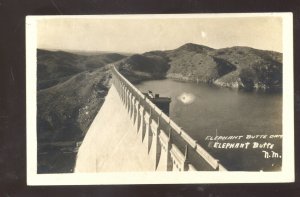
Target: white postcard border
286	175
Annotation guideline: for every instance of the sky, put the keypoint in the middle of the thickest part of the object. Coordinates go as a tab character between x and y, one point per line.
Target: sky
142	34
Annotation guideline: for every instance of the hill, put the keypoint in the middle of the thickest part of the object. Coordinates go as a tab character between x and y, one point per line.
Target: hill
71	104
192	62
137	68
256	69
236	67
54	67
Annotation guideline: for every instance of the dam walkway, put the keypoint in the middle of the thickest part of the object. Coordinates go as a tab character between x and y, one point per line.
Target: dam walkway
131	134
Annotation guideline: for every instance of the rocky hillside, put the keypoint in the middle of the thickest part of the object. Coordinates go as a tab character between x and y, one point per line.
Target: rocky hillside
256	69
66	110
194	63
236	67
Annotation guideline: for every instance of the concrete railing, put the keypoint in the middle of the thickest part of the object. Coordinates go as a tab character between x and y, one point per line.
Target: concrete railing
168	145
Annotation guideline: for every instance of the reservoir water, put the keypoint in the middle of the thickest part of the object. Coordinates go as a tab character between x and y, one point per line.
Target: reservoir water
241	129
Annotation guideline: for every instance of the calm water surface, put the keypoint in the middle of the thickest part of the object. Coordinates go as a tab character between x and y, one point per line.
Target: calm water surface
204	110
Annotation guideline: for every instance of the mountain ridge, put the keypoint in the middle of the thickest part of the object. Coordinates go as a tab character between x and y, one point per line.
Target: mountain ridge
234	67
54	67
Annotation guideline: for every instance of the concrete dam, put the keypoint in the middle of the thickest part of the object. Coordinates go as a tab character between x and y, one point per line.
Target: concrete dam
130	134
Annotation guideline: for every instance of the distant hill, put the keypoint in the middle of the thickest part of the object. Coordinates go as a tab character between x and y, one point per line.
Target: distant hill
192	62
143	67
237	67
255	69
91	53
54	67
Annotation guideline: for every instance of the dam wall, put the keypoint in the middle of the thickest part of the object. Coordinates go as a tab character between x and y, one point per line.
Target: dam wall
135	135
111	145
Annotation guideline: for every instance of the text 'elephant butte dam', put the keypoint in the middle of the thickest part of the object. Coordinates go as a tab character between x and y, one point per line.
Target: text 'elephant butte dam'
130	133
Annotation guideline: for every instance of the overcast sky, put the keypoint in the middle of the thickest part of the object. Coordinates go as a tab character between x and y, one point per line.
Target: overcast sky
138	35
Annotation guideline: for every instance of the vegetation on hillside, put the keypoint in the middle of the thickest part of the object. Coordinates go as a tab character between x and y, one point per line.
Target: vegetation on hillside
235	67
54	67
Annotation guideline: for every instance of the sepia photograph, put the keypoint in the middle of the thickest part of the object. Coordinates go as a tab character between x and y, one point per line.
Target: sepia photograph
169	99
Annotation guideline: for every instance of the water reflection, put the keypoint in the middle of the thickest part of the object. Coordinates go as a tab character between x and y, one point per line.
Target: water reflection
186	98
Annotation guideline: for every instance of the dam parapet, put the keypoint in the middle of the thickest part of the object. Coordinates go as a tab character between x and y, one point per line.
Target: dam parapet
167	144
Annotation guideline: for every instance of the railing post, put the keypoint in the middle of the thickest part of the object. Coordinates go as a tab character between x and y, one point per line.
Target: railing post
129	102
122	93
132	115
165	160
168	149
185	163
142	127
126	98
122	89
155	150
148	133
137	118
